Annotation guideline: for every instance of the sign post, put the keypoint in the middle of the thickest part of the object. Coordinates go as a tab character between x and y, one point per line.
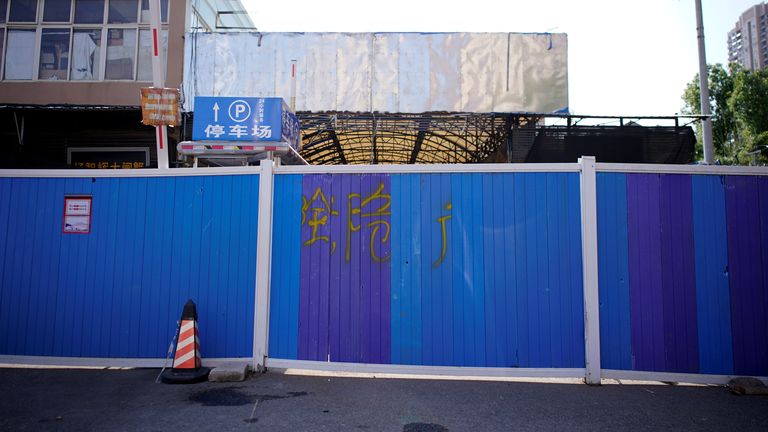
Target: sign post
158	80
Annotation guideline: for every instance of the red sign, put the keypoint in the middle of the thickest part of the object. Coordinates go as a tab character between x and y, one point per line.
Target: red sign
77	215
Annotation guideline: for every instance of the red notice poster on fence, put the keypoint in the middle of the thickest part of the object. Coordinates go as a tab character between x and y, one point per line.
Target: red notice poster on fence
77	215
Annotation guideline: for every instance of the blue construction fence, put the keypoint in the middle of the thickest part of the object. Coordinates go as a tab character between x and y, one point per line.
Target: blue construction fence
464	269
683	265
118	291
427	269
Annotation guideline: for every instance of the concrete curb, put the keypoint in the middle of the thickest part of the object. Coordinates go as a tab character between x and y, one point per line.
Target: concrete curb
230	372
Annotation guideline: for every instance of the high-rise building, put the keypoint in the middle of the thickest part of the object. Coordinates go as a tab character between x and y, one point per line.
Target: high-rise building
748	41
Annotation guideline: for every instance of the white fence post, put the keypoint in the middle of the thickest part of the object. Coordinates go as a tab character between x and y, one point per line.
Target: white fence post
263	266
589	263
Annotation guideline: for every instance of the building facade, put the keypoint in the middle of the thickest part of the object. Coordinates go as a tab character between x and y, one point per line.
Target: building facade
71	73
748	41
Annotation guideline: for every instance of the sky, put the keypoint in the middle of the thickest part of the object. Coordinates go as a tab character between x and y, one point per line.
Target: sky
630	58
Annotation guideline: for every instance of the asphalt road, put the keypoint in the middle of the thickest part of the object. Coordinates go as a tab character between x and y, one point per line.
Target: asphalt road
130	400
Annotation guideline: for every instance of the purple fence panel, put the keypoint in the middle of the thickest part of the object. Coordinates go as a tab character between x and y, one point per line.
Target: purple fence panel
344	301
313	279
661	271
678	275
746	253
645	277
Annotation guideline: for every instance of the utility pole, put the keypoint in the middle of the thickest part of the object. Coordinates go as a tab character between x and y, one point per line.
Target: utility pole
158	79
706	110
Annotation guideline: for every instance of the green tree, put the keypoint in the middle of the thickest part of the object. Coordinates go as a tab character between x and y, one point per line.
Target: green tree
749	104
724	125
739	100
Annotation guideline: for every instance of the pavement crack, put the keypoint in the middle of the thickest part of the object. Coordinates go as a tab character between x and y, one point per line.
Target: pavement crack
252	418
266	397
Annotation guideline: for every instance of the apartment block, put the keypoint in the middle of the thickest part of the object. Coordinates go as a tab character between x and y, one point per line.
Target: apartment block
748	41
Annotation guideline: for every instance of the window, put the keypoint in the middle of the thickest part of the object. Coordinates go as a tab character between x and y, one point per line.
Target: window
2	46
144	17
86	55
23	11
78	40
20	55
54	54
145	53
123	11
121	51
89	11
56	11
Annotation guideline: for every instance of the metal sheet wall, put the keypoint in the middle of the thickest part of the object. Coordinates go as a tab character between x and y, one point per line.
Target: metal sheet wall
682	285
420	269
613	272
661	277
746	203
118	291
284	291
384	72
712	285
429	269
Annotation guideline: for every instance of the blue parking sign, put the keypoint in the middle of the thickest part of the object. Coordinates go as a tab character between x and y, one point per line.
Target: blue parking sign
244	119
291	129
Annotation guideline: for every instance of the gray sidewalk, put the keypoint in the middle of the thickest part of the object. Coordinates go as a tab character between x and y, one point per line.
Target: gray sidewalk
129	400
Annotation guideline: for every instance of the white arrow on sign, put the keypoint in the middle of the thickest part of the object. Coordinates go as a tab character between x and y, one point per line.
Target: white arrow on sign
216	112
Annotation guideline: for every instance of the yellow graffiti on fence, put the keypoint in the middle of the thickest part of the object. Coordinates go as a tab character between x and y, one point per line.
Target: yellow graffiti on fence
443	235
384	239
317	211
351	225
316	221
382	210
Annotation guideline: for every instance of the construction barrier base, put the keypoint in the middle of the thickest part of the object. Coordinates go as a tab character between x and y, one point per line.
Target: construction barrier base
171	376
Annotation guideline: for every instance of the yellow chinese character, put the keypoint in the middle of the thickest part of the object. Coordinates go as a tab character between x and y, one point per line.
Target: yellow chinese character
127	165
138	164
322	207
103	165
443	235
90	164
385	201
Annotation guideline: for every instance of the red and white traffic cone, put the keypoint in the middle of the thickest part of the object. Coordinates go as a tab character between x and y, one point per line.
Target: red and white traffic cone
187	364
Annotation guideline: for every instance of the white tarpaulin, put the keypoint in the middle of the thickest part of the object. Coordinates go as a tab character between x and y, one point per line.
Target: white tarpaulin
384	72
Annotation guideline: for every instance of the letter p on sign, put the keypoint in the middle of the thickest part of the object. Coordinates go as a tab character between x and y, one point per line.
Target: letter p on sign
239	110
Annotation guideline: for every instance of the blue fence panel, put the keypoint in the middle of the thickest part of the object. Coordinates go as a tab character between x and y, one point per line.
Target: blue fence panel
118	291
500	282
436	275
476	269
407	261
712	285
615	341
698	294
468	270
498	247
286	247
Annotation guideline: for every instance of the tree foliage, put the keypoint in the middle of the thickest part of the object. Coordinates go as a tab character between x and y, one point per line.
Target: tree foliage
739	100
